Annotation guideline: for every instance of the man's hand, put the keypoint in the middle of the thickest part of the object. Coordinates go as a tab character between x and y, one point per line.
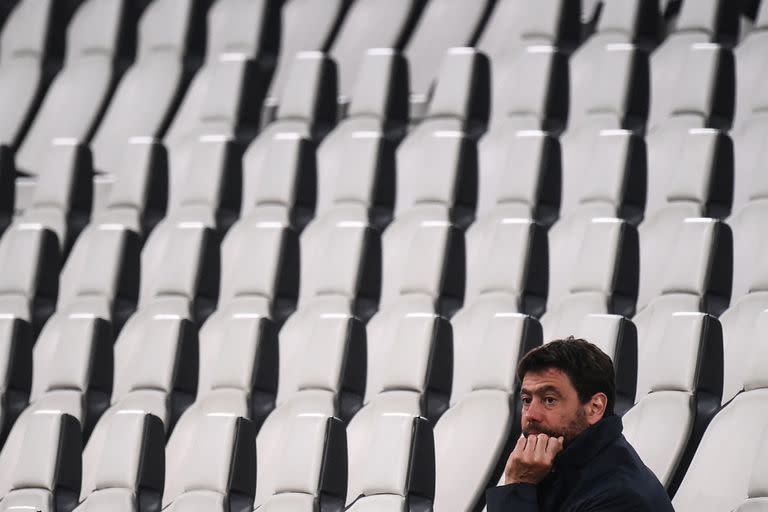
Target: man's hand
531	460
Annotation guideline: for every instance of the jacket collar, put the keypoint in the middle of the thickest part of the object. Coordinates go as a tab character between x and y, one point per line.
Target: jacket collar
589	443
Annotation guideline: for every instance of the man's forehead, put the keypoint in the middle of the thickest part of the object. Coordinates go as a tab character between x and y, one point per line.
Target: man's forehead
547	378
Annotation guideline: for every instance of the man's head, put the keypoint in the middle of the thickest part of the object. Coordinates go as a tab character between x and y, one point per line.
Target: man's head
567	386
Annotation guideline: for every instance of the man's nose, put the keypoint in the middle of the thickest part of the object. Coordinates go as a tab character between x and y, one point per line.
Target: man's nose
532	412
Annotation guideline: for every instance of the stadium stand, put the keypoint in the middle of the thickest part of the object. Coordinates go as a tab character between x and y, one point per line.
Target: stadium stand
286	254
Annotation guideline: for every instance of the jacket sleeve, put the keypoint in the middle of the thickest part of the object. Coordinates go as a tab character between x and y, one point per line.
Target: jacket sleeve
512	498
619	501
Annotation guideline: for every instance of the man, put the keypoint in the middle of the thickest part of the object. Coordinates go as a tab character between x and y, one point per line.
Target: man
572	456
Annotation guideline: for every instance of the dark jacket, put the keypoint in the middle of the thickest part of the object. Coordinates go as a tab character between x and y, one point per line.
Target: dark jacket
597	471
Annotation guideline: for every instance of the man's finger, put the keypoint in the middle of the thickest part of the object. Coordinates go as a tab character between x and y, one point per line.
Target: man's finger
554	446
530	445
542	442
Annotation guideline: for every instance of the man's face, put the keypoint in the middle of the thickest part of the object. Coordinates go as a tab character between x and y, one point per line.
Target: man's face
551	405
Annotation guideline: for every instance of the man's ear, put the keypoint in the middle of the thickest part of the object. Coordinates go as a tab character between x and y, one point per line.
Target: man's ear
596	407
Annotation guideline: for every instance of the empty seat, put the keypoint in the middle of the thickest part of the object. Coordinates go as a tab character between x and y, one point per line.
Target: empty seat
97	39
684	387
530	90
689	56
756	501
29	40
595	274
413	380
101	275
41	467
507	255
324	362
718	479
73	368
30	291
696	277
163	384
215	468
693	166
400	469
473	437
623	21
513	24
312	474
520	171
609	88
437	162
750	145
748	298
356	161
661	236
751	69
444	24
341	265
147	94
225	96
604	174
180	271
15	371
128	476
303	119
423	256
307	25
369	24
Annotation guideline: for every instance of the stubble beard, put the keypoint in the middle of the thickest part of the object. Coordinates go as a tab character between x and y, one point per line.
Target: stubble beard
575	427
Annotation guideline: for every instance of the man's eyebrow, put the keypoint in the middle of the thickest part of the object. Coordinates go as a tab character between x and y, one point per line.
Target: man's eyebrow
542	390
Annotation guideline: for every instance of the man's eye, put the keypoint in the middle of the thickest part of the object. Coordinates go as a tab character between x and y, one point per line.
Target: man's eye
526	400
550	400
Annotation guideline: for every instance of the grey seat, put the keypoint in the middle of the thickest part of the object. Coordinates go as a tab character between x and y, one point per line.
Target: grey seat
215	467
535	100
101	274
704	176
513	24
606	256
190	286
369	24
756	501
695	278
437	162
474	436
307	26
26	52
306	114
74	103
402	475
147	94
225	96
356	161
41	467
749	144
508	255
748	297
718	479
128	477
691	51
325	358
521	171
444	24
312	475
751	69
15	371
31	290
73	368
685	389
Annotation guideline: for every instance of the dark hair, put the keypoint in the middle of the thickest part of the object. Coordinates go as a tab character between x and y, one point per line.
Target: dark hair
589	368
